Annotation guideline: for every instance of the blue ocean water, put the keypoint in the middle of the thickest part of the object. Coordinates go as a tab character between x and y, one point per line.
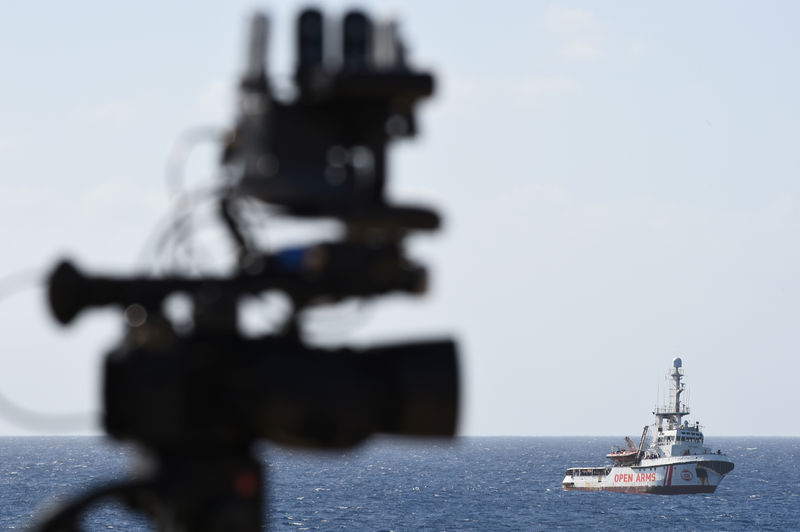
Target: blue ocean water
462	484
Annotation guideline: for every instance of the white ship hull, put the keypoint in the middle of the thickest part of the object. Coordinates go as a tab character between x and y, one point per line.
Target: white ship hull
666	476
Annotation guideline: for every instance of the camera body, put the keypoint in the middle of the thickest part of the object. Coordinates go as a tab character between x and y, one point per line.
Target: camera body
186	393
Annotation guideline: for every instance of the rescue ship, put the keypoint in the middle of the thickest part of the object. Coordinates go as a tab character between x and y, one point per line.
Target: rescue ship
675	462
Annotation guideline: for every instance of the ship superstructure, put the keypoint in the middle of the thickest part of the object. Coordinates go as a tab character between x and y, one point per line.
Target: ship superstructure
676	461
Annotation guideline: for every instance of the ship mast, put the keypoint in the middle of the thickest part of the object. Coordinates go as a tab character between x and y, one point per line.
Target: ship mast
674	412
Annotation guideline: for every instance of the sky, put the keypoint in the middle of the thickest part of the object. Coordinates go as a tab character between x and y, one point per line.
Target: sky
618	183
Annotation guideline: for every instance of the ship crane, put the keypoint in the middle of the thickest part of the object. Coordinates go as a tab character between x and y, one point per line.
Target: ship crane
640	450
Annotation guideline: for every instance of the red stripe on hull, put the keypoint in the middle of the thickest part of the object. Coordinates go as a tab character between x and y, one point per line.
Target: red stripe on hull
653	490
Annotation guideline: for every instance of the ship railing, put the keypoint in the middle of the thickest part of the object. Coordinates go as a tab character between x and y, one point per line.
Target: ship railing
588	471
684	411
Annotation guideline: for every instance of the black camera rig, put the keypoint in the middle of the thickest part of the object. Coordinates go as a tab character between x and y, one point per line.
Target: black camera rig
198	398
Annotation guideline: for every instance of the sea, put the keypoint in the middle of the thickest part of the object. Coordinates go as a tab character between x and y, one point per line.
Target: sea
466	483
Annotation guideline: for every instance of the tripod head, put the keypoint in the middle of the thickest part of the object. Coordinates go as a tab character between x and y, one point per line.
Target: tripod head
197	398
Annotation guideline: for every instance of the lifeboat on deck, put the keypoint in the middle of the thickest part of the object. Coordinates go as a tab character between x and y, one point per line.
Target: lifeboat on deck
627	456
623	456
